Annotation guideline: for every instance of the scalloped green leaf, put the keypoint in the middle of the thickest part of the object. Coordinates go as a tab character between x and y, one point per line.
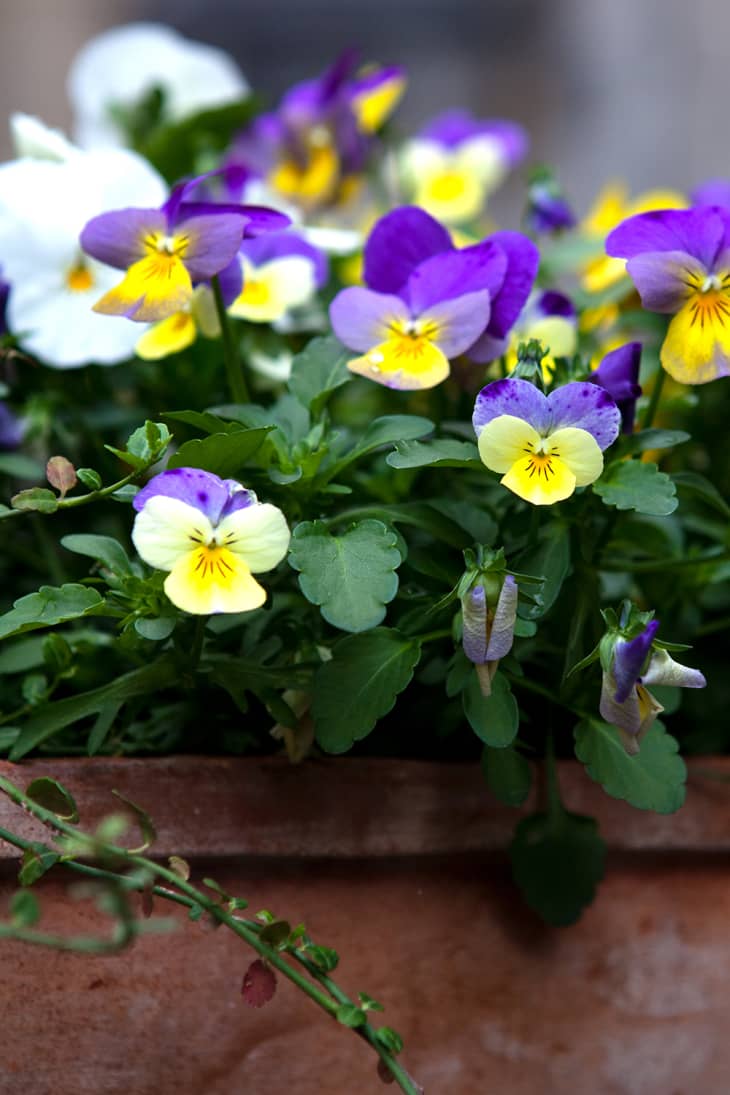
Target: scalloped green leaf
444	451
51	605
557	862
634	484
654	779
224	454
495	719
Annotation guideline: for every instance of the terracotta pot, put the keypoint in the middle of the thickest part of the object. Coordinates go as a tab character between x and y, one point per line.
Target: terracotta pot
401	867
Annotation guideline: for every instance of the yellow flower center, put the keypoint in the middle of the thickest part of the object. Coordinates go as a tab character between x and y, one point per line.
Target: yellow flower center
540	462
79	279
447	186
169	246
256	293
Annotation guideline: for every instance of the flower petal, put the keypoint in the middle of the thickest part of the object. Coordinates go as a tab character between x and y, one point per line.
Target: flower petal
474	618
502	633
506	439
154	288
523	259
169	336
271	289
361	318
258	534
700	232
117	238
664	670
629	656
213	241
454	274
200	489
456	323
168	529
402	362
696	348
664	279
209	580
514	397
588	407
580	451
398	243
540	483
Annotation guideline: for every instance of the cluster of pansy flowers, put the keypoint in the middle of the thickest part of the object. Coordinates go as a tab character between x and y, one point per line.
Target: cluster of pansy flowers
438	295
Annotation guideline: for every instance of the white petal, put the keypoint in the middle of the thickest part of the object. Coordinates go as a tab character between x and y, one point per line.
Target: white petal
168	529
33	138
259	534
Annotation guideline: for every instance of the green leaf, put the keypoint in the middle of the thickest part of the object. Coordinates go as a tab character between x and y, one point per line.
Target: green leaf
705	490
20	466
106	550
350	576
36	861
102	726
24	909
557	862
508	775
391	428
360	685
35	500
173	148
494	719
62	713
143	819
325	958
654	779
51	605
155	628
351	1016
633	484
645	440
389	1039
319	370
145	446
49	794
444	451
89	478
203	421
224	454
550	560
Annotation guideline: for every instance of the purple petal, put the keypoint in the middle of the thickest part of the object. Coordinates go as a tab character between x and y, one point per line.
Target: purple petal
277	245
214	242
117	238
11	429
712	192
516	397
201	489
662	278
503	625
474	614
256	218
360	317
453	127
460	321
548	212
628	660
490	348
618	374
230	279
700	232
454	274
399	242
552	303
626	715
523	259
587	407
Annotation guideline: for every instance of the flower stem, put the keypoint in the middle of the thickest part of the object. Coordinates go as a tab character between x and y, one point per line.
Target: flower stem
656	394
234	366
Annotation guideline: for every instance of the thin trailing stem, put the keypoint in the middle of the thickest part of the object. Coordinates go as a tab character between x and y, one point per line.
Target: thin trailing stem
656	394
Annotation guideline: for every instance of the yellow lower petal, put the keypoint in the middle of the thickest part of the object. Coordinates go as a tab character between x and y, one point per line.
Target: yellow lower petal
171	335
213	579
579	451
313	181
540	479
403	362
505	440
451	195
154	288
697	345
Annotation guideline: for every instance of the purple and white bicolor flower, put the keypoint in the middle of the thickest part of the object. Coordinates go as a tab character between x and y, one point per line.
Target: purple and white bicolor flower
618	374
166	251
544	446
454	163
489	629
279	271
629	665
212	535
427	302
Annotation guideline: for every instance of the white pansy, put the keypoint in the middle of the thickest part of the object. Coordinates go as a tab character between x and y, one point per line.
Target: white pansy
33	138
123	65
44	204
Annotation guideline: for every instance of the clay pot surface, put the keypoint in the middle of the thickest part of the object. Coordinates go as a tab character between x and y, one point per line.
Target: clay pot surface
400	866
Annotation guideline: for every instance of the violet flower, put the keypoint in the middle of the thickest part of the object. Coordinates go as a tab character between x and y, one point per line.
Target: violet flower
618	374
489	629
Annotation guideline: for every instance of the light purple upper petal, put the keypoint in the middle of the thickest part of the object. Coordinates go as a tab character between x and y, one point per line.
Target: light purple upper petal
256	218
360	317
277	245
712	192
511	396
214	242
523	259
455	273
201	489
453	127
587	407
661	278
474	616
628	660
460	321
502	633
700	232
399	242
116	238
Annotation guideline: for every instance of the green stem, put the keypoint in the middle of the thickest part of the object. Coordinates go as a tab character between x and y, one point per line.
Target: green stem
198	640
656	394
652	565
534	528
554	801
234	366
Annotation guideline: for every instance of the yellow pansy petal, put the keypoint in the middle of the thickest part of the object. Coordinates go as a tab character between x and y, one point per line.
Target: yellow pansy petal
271	289
258	534
541	480
452	195
213	579
506	439
374	106
656	199
312	182
579	451
403	362
697	346
167	337
558	334
167	528
155	287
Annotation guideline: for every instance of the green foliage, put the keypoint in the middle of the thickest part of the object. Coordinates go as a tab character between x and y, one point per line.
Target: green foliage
654	779
145	446
557	862
495	718
444	451
104	549
49	794
319	370
51	605
351	576
550	561
633	484
224	454
361	684
508	775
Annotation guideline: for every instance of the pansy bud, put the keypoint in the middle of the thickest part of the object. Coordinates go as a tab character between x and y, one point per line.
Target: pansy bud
489	616
618	374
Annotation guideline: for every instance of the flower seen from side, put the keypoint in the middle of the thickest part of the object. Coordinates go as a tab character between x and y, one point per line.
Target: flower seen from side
489	612
679	261
629	665
618	374
551	318
211	535
544	446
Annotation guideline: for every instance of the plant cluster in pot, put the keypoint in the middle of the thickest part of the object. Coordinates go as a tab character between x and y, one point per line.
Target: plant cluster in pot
366	479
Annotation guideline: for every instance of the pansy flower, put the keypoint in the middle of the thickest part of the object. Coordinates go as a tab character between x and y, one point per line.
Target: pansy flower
489	627
679	261
547	208
544	446
712	192
452	166
551	318
165	251
618	373
212	535
629	665
427	302
280	271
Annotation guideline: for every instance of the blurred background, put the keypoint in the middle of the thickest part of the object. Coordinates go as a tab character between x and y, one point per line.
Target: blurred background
634	89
